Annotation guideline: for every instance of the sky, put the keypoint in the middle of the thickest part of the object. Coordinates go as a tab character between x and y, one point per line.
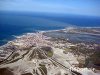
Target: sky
81	7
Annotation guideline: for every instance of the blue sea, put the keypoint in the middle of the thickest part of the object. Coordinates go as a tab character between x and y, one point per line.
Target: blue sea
18	23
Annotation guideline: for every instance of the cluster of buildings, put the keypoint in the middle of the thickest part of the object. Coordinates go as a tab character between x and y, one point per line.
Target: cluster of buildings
30	39
24	42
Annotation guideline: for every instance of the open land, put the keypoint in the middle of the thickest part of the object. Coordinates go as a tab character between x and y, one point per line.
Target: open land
70	51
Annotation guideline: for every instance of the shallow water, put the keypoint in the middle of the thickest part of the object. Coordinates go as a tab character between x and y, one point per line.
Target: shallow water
74	37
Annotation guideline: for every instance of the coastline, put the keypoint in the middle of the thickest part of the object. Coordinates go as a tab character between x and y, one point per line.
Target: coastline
64	29
30	42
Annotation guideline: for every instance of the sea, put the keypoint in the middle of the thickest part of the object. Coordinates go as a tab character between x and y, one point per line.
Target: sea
18	23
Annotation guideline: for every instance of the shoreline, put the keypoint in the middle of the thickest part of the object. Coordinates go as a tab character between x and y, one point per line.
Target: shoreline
35	44
45	31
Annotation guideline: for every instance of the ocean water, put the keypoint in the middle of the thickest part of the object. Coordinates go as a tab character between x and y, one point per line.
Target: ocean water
15	23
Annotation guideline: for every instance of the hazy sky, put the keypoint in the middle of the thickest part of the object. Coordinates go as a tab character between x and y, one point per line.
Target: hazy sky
83	7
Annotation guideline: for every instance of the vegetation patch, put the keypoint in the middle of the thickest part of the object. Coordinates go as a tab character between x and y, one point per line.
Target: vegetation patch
49	54
15	55
43	69
66	50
